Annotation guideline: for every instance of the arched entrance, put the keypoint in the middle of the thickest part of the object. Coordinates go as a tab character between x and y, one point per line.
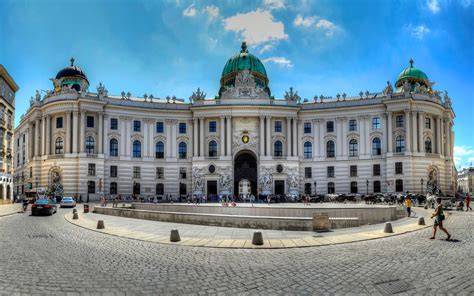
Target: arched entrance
245	167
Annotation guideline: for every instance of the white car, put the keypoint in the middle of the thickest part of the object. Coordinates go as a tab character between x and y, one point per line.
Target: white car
68	202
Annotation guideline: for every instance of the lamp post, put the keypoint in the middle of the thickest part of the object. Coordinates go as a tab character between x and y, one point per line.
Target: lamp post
315	189
367	183
422	186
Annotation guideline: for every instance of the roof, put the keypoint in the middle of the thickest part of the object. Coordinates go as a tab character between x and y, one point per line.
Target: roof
11	83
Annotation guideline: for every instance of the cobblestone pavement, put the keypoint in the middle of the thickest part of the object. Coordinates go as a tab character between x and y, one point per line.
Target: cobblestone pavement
9	209
47	255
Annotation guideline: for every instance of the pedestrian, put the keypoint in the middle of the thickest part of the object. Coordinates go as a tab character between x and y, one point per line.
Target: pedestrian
467	201
439	214
268	199
408	205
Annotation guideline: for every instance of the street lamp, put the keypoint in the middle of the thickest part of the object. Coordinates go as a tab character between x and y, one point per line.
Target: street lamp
367	183
315	189
422	186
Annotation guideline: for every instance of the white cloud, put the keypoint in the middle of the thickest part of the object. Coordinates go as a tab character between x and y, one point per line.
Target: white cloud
256	27
465	3
463	150
419	32
327	26
463	155
433	6
301	21
212	11
266	48
190	11
274	4
280	61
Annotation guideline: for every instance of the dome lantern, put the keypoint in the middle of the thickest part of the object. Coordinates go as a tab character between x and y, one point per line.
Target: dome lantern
71	77
413	76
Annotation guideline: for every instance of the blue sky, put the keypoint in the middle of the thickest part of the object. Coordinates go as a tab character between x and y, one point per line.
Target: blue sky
173	47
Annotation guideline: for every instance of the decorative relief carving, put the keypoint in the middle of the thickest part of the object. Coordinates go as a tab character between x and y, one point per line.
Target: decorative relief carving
245	87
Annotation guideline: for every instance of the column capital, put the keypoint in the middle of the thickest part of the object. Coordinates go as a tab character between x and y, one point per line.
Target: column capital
222	117
421	112
82	111
262	117
101	113
190	121
75	112
268	116
289	118
406	111
228	116
47	116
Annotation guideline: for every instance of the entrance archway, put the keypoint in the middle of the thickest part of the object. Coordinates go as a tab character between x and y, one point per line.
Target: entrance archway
245	167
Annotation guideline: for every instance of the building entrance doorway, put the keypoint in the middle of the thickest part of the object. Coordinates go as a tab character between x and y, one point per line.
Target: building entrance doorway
280	187
211	187
245	167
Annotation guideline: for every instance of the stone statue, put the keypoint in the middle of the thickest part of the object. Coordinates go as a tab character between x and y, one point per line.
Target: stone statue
32	101
361	94
432	184
244	78
129	95
406	86
198	182
292	180
145	96
151	97
226	183
266	181
388	89
38	96
447	99
292	96
56	84
197	95
344	95
123	95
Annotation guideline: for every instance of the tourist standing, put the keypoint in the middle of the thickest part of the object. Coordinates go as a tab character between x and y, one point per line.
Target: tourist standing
408	205
269	198
439	214
467	201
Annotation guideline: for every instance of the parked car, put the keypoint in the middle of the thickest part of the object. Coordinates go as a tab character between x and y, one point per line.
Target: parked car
67	202
43	206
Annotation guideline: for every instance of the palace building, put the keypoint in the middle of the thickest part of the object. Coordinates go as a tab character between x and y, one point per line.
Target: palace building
79	142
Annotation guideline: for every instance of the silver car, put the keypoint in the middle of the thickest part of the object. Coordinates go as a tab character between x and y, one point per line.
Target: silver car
68	202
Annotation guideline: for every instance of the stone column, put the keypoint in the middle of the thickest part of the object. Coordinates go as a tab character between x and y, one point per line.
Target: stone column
229	135
439	141
168	138
174	124
82	136
447	148
30	140
288	136
295	136
268	120
262	135
385	133
195	137
106	132
442	135
128	140
190	133
222	139
151	138
201	136
75	130
101	133
389	132
67	139
415	131
368	141
316	138
363	135
43	136
123	126
322	150
37	138
345	129
4	190
407	131
48	135
421	126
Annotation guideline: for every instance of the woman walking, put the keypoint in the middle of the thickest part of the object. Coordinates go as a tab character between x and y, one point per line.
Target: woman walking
439	214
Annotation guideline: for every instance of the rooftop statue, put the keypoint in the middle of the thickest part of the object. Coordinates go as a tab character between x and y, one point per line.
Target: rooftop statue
291	95
388	90
197	95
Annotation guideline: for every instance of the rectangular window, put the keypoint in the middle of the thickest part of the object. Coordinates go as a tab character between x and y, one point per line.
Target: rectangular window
136	172
307	127
113	171
308	173
113	124
330	172
353	170
376	170
427	123
399	168
399	121
59	122
91	169
352	125
330	126
376	123
278	127
159	127
182	173
212	126
90	121
182	127
160	173
137	125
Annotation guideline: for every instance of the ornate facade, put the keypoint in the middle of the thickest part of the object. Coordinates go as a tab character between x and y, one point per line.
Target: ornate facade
96	143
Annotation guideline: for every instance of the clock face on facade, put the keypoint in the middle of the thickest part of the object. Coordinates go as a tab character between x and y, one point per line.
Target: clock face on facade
245	139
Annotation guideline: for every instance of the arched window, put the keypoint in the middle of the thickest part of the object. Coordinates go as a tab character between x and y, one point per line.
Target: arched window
376	146
159	150
278	149
428	145
377	187
113	188
90	145
353	187
212	148
59	145
308	150
160	189
113	147
399	185
353	148
331	188
330	149
400	144
307	188
137	149
182	150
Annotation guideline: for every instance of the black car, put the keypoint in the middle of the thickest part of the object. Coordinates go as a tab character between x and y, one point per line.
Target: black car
43	206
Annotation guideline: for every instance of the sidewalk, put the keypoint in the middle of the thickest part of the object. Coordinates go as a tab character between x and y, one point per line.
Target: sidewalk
9	209
225	237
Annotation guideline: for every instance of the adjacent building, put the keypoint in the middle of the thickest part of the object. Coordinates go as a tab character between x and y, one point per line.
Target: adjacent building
91	143
466	180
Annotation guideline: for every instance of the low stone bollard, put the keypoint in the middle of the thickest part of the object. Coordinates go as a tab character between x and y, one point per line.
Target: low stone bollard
174	237
100	224
257	238
321	222
74	211
388	228
75	216
421	221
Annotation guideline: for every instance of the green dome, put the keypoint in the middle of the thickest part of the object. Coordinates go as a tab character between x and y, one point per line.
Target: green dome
412	73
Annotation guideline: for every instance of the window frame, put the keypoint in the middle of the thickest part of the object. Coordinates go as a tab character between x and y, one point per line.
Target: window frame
353	171
113	123
91	169
90	121
278	126
212	126
308	172
137	126
308	150
159	127
376	124
159	145
59	122
136	172
136	149
182	150
58	146
352	125
353	148
307	127
113	171
113	147
330	126
182	127
278	152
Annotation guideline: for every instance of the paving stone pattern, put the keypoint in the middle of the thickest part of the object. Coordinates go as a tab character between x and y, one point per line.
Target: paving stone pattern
47	255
